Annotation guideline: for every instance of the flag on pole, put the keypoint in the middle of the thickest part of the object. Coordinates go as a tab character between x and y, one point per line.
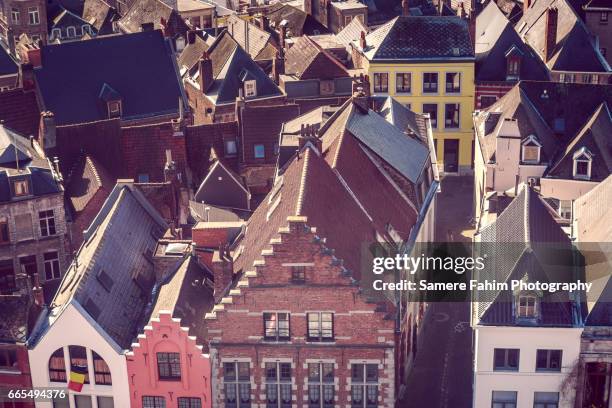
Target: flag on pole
77	378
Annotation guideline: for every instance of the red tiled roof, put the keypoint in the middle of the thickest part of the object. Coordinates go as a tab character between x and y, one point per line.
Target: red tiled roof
307	60
19	111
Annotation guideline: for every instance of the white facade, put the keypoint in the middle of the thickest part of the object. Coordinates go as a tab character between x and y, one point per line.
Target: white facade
73	326
526	381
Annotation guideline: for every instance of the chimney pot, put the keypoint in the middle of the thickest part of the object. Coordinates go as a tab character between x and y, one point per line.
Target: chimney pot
206	72
362	41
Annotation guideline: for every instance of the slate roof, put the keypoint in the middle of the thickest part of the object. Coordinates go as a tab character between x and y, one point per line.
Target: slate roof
8	66
140	67
422	38
597	4
261	45
19	111
222	187
307	60
525	243
294	16
19	158
113	277
67	19
495	37
99	14
596	137
85	180
151	11
231	66
404	119
192	53
574	49
187	294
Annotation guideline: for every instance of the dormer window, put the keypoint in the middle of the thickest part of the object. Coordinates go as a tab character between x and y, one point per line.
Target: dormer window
582	164
513	63
526	306
250	88
114	109
530	152
21	188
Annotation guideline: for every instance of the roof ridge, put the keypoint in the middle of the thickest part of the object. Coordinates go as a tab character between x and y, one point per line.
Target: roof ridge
301	192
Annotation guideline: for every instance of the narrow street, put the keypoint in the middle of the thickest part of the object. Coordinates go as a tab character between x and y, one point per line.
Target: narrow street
442	373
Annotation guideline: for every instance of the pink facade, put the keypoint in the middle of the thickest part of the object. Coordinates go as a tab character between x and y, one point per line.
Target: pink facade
155	356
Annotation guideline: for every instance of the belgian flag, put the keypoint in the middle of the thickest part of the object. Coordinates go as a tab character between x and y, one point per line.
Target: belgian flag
77	378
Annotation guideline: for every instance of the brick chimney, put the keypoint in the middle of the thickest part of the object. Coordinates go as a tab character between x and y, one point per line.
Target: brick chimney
278	66
205	68
550	36
47	130
282	34
362	41
27	76
223	271
34	57
405	8
264	23
37	291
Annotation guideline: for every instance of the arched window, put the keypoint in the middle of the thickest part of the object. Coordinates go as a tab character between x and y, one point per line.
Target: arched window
57	366
71	32
78	361
102	374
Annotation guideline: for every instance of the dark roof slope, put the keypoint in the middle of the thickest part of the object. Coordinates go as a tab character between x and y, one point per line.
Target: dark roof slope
151	11
525	243
420	38
307	60
15	319
99	14
574	50
496	37
113	275
192	53
19	111
8	66
140	67
404	119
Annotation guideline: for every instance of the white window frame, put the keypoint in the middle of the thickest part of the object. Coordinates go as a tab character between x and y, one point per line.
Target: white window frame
237	383
446	83
426	92
250	88
582	155
54	266
320	384
397	91
365	384
230	152
56	33
71	32
531	139
519	308
565	209
33	16
15	16
379	74
279	383
45	223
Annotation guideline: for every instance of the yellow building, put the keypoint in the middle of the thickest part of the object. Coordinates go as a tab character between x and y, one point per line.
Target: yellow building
427	63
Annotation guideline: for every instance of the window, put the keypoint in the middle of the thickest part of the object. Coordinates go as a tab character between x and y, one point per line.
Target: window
432	110
298	274
4	231
237	380
506	359
15	15
430	82
153	402
105	402
169	366
189	402
276	326
320	326
33	16
250	88
278	385
56	33
260	151
546	400
530	152
47	223
451	116
102	374
143	178
78	361
503	399
57	367
603	17
381	82
20	187
347	20
582	164
7	277
86	29
527	306
52	268
567	78
230	148
71	32
513	68
548	360
453	82
565	209
320	385
364	385
403	82
82	401
8	359
114	107
105	280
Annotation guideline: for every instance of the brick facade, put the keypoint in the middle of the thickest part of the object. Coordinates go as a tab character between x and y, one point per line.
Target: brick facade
363	333
490	89
23	17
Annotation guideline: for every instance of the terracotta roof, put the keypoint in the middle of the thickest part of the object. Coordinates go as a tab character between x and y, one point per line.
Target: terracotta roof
307	60
19	111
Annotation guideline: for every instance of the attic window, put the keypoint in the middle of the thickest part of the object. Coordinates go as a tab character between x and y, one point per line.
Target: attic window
21	188
531	150
526	306
582	164
114	109
250	88
105	280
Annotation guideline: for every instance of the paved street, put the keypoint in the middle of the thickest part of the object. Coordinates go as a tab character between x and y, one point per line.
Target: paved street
442	374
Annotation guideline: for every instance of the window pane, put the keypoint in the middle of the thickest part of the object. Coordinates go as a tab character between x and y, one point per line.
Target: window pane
229	371
271	372
285	371
328	372
372	372
243	371
313	372
357	374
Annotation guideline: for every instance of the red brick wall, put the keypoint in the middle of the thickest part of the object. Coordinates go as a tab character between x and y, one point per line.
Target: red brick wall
497	89
18	381
363	331
144	150
199	140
